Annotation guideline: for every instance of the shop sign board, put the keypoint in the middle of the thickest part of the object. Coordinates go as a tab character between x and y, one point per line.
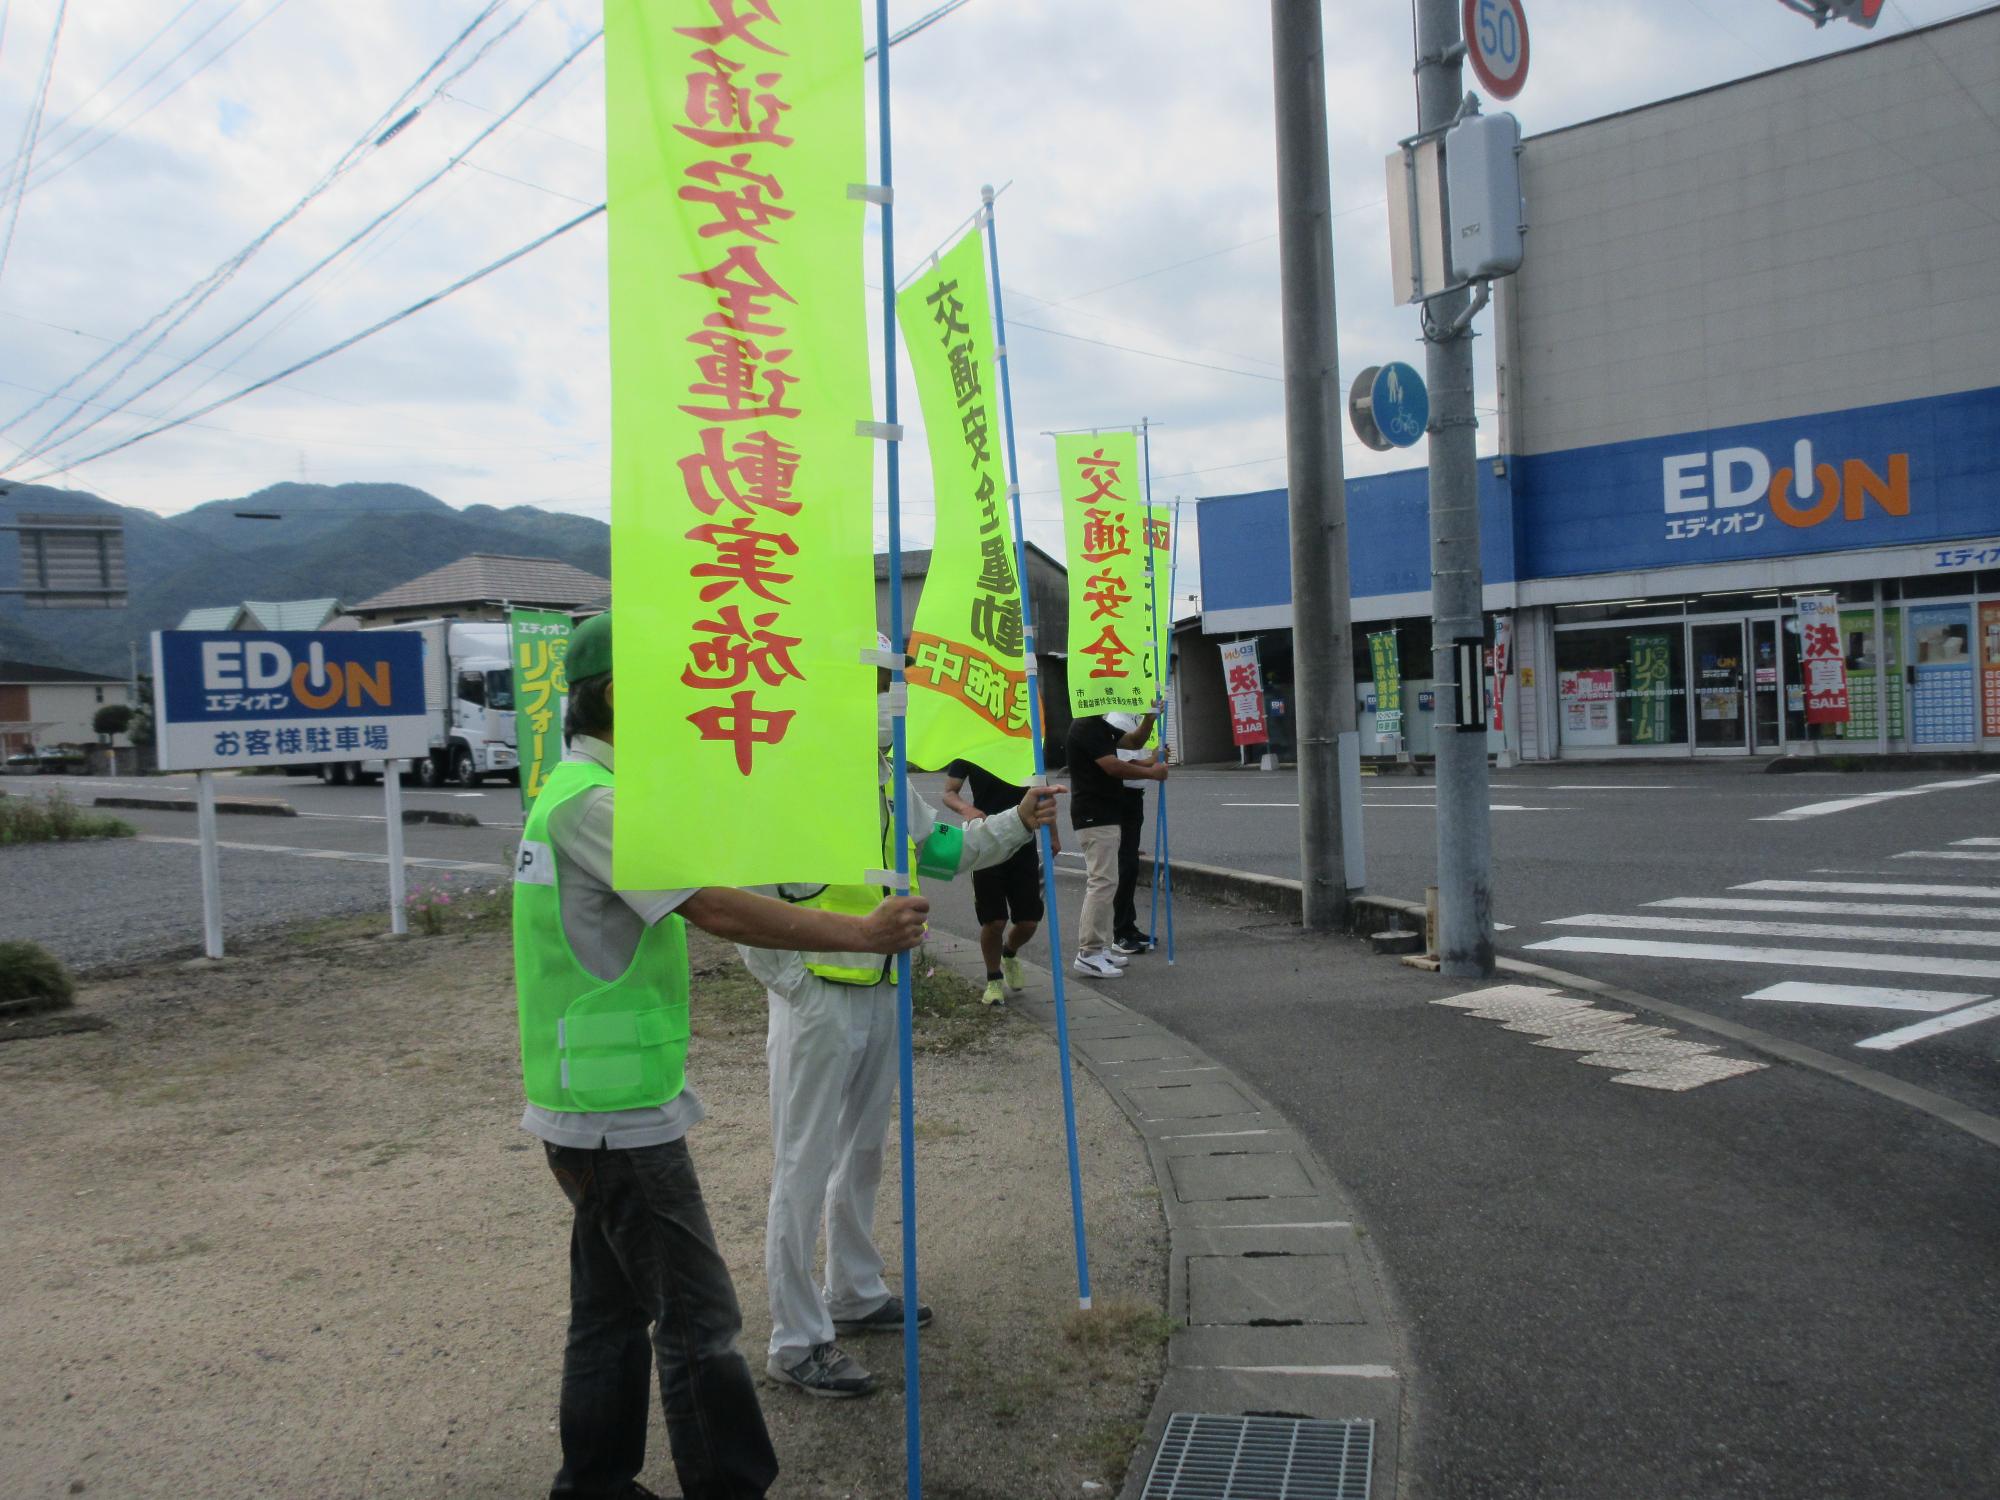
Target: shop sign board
1915	474
1823	660
1589	698
1386	668
231	699
1652	667
1243	682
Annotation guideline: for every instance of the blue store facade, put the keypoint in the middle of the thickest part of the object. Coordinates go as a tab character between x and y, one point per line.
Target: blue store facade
1753	357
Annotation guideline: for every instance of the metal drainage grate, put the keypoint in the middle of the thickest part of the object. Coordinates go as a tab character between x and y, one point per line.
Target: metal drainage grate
1261	1458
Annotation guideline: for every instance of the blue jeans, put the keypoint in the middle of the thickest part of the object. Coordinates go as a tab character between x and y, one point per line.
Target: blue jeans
647	1285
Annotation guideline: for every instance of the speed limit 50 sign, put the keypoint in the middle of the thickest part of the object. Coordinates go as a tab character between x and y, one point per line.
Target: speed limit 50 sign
1496	43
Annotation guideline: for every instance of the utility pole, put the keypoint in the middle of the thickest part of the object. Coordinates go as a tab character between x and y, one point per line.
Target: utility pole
1322	627
1465	844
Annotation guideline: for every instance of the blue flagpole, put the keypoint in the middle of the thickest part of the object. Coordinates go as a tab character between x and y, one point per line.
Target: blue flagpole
1166	842
900	766
1054	915
1153	609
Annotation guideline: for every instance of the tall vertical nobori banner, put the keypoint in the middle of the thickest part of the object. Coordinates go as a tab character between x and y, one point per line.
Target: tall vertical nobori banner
537	642
741	517
1104	527
968	675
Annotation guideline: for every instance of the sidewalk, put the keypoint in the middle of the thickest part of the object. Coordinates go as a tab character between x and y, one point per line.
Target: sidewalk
1771	1286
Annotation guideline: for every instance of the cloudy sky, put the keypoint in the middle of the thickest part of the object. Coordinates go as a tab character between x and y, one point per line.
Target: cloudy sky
1138	236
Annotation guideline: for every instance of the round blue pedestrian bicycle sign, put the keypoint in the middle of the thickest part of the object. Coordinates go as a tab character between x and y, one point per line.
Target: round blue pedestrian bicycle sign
1400	404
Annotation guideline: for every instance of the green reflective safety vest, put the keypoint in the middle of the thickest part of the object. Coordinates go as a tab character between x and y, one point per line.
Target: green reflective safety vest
588	1044
937	855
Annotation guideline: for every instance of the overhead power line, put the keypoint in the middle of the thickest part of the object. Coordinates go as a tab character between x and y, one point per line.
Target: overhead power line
31	134
54	169
45	443
183	307
119	71
327	353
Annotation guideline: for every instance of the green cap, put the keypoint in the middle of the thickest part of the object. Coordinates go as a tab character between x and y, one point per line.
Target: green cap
589	649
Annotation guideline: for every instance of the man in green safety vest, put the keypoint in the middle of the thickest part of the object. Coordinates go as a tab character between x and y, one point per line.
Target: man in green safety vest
832	1057
601	977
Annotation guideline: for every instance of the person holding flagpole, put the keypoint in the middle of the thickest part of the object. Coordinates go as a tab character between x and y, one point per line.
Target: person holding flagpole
1097	810
831	1053
1010	892
1127	936
601	977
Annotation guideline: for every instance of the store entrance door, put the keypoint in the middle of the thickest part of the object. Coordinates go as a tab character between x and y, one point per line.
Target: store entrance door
1767	718
1716	667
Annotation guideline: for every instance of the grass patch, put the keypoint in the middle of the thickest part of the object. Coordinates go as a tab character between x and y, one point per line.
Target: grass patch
32	979
1106	1449
1122	1326
947	1009
54	819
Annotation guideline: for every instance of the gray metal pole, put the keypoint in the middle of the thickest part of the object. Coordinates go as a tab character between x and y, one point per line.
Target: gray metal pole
1465	889
1322	645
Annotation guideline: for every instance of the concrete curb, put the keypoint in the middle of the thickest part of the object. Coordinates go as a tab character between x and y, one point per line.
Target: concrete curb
1272	1287
262	807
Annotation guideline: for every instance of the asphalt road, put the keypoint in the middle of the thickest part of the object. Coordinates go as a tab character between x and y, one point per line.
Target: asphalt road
1834	910
1772	1287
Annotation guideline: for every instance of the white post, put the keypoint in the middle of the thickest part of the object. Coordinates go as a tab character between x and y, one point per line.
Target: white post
211	867
392	811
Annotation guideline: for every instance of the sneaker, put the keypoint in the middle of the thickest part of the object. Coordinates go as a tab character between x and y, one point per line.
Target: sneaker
1129	947
1111	955
827	1371
1096	966
888	1318
993	994
637	1491
1013	973
1137	939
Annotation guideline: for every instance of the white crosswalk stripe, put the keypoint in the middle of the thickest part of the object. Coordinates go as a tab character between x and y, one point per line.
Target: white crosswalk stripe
1914	930
1646	1057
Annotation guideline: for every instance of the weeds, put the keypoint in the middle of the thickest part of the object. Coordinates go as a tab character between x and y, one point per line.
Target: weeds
54	819
444	907
32	979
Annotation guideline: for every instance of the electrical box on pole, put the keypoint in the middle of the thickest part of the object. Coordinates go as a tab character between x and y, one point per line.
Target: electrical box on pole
1456	214
1488	219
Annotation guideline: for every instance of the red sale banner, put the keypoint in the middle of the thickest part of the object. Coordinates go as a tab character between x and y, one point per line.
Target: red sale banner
1243	681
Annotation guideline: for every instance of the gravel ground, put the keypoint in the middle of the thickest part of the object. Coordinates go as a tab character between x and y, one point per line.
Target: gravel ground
115	900
274	1231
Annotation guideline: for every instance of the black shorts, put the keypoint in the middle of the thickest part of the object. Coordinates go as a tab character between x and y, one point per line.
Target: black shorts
1012	890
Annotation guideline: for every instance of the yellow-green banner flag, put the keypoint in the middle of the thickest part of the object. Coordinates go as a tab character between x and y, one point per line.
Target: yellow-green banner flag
1160	549
1110	626
968	680
741	517
538	640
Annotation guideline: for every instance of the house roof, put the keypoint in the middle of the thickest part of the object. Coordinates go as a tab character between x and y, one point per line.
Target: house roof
17	673
263	614
292	614
917	562
215	617
491	577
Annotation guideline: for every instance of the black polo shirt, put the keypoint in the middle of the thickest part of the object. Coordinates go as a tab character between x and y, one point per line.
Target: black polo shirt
984	790
1096	798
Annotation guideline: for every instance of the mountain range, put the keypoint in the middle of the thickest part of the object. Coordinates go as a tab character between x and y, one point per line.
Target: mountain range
350	541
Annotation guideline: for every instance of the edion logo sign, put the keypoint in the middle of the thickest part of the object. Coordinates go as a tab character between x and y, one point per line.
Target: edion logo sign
1802	493
260	666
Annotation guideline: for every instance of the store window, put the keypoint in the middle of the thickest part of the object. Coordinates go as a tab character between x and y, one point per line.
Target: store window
1623	685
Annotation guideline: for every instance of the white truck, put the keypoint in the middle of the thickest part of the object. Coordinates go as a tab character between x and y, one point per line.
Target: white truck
469	700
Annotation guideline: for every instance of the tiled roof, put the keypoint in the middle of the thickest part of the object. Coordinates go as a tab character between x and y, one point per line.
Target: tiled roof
292	614
490	577
217	617
14	673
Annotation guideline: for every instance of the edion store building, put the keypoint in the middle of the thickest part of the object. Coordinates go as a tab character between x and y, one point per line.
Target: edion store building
1754	354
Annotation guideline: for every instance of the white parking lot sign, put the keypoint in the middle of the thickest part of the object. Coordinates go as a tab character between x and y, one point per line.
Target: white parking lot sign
232	699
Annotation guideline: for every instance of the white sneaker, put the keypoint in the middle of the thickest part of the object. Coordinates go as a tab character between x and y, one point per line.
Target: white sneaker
1096	966
1113	956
